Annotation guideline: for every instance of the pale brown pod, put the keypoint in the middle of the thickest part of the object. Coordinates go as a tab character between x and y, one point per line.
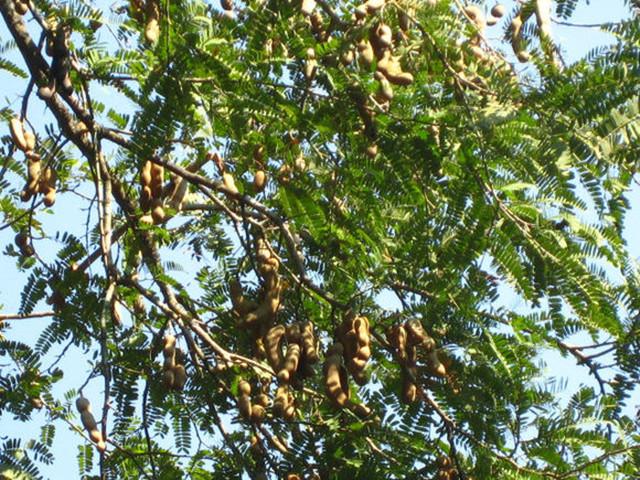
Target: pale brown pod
290	364
272	342
179	377
17	134
309	342
244	406
373	6
30	140
498	10
436	367
384	35
226	5
158	214
336	384
365	52
229	183
258	413
157	180
259	181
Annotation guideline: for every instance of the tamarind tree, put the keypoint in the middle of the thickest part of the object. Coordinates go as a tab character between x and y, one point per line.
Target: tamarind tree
318	239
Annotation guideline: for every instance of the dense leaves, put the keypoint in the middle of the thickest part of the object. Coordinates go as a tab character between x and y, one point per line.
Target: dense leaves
383	171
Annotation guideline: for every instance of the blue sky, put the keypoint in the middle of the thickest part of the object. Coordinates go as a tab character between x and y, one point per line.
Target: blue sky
576	41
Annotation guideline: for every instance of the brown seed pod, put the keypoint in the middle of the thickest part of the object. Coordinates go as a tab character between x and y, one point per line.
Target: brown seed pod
259	181
22	240
372	6
436	367
397	337
17	134
241	305
281	401
158	214
226	5
258	412
244	406
30	140
365	52
309	342
89	422
152	28
33	176
263	399
244	387
335	375
229	183
157	180
168	379
417	336
498	10
383	36
47	186
179	377
272	343
390	67
290	364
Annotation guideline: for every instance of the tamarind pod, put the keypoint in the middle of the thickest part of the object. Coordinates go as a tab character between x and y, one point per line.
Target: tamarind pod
498	10
178	193
365	52
145	174
83	404
436	367
17	134
96	436
386	91
412	355
384	36
169	345
308	342
409	390
307	7
263	400
101	446
350	344
263	253
289	413
158	215
278	444
30	141
33	176
168	379
179	377
258	413
336	383
390	67
272	341
157	180
244	406
361	327
152	28
241	305
397	336
259	181
543	18
290	362
88	421
226	5
21	240
293	476
293	334
265	310
281	401
33	156
229	183
244	387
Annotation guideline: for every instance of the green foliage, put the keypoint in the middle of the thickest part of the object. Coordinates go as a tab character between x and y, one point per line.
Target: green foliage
485	201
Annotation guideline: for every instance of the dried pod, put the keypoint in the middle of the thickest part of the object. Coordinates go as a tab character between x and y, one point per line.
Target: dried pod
179	377
226	5
384	35
18	134
259	181
272	342
397	337
290	364
229	183
241	305
335	375
365	52
258	413
498	10
436	367
309	342
373	6
152	27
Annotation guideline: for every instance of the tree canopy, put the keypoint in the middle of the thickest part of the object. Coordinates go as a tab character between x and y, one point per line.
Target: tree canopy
319	239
